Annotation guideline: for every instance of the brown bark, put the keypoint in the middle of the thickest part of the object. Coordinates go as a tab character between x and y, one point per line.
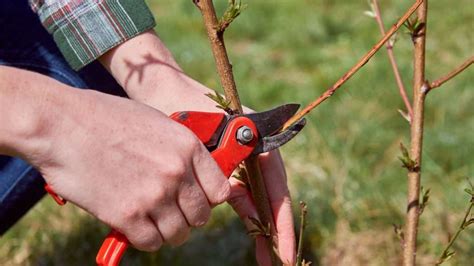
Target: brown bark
420	88
452	74
224	68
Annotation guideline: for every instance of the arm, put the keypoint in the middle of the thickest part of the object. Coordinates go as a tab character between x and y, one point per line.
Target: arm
89	146
149	74
145	68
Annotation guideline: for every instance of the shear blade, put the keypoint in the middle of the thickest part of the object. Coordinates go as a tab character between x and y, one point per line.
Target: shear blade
272	142
269	122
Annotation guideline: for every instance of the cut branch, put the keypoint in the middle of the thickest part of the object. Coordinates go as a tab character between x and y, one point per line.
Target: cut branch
328	93
215	33
393	62
437	83
420	88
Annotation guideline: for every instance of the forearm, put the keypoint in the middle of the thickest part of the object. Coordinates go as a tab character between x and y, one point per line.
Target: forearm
28	111
148	72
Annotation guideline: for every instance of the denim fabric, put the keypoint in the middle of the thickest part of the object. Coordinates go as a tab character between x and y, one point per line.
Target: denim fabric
25	44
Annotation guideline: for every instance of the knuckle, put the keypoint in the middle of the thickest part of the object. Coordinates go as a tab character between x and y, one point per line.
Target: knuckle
176	168
160	196
146	240
223	193
132	213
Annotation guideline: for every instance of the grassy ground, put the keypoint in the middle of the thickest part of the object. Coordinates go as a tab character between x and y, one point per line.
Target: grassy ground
344	164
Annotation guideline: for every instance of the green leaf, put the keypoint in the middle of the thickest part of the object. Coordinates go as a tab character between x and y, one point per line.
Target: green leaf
424	199
407	162
234	9
468	223
469	191
222	103
448	255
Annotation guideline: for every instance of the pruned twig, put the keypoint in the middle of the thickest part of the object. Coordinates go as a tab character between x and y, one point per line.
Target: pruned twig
329	92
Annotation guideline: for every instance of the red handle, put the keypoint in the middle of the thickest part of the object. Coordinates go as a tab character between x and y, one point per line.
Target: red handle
228	156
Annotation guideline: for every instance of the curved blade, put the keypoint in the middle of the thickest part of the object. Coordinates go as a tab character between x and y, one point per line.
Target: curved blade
272	142
271	121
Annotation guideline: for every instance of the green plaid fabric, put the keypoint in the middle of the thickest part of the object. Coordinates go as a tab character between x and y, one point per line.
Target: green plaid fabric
86	29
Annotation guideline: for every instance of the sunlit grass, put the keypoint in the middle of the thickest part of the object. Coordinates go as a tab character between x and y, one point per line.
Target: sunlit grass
344	164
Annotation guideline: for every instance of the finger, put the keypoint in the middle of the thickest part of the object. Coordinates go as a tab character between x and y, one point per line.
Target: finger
275	181
143	235
171	224
214	184
242	203
193	204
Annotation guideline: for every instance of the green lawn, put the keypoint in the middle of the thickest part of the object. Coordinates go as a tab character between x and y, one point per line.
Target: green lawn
344	164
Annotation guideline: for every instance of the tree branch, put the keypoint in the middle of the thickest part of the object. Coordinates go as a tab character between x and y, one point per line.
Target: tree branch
437	83
420	88
224	68
393	62
328	93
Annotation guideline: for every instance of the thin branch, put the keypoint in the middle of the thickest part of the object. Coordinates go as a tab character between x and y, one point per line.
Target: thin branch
304	211
437	83
328	93
224	68
393	62
446	254
420	88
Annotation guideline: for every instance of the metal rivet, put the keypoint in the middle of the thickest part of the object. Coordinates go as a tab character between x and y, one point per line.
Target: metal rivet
244	135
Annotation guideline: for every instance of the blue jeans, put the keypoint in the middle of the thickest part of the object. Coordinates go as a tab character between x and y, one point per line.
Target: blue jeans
24	43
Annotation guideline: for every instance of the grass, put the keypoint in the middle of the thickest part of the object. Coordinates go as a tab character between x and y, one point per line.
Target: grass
344	164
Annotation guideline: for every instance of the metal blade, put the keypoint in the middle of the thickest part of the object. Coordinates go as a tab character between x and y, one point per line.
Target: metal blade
271	121
272	142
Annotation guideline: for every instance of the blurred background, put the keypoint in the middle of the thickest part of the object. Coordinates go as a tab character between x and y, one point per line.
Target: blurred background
344	164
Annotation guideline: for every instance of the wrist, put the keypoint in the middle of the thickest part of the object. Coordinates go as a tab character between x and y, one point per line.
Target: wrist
147	71
30	107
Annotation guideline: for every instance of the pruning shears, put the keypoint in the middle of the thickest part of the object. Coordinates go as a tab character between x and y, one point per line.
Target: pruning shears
230	139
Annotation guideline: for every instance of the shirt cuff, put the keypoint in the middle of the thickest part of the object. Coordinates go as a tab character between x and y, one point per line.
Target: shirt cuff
84	30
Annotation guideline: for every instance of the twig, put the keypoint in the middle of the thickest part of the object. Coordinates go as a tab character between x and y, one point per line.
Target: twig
393	62
435	84
420	88
328	93
304	211
216	37
224	68
464	224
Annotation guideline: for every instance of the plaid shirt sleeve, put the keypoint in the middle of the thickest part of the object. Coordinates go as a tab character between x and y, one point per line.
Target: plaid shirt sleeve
86	29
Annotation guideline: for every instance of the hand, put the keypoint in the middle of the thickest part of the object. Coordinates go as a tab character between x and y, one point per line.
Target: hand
149	74
126	163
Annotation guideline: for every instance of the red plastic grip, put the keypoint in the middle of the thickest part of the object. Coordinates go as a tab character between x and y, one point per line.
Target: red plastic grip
111	251
228	156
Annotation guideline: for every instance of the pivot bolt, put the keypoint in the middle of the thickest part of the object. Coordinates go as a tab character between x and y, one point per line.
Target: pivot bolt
244	135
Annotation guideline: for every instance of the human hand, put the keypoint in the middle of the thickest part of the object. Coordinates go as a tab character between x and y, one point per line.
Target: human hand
149	74
274	175
126	163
